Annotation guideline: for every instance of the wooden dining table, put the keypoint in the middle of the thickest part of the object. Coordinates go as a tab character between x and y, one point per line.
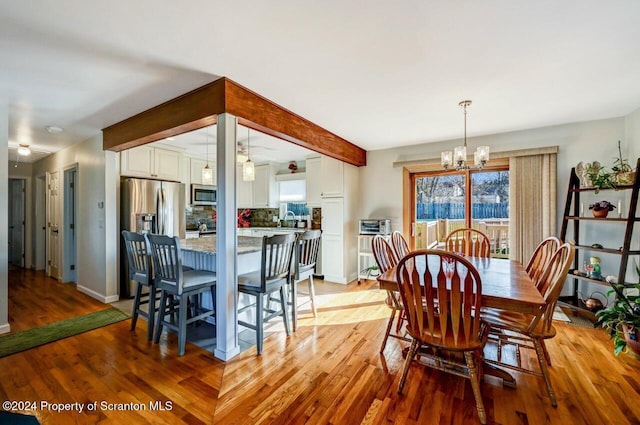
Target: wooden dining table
505	285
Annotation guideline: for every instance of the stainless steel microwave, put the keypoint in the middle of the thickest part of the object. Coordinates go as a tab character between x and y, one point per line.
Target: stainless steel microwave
202	194
375	226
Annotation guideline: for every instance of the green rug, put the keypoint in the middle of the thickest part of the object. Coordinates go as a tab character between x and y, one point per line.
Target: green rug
24	340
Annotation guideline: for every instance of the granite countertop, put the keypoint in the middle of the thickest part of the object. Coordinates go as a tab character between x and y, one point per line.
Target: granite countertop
246	244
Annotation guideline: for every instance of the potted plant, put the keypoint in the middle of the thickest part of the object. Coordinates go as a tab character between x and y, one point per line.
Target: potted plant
598	176
623	174
601	208
622	318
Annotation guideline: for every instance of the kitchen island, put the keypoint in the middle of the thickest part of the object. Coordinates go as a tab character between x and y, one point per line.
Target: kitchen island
201	253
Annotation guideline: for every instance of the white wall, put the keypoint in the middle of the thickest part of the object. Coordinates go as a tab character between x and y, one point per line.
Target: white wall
381	184
91	227
4	214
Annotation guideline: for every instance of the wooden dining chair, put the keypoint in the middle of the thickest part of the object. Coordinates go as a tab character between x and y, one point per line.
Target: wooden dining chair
386	259
442	292
541	257
274	276
176	287
469	242
304	266
400	245
531	330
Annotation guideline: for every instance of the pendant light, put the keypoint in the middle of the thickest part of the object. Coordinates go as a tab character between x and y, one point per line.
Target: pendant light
248	168
207	172
458	157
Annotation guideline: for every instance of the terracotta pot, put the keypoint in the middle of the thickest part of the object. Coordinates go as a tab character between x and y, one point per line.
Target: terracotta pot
600	213
633	339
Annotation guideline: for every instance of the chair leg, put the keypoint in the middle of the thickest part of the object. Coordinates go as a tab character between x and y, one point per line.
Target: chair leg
294	305
312	295
545	371
259	322
136	306
283	305
407	363
161	314
182	323
389	325
475	385
546	353
151	316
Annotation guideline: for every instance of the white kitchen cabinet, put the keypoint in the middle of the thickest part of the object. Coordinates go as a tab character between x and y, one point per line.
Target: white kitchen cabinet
196	165
244	190
266	191
332	177
152	162
314	182
340	230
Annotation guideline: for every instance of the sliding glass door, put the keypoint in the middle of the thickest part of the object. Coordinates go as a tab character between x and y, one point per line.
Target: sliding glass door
444	201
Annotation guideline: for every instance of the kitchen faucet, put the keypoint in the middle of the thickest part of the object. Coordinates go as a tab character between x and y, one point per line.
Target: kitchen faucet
293	216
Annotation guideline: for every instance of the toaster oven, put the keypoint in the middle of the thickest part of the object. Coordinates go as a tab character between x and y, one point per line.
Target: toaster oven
375	226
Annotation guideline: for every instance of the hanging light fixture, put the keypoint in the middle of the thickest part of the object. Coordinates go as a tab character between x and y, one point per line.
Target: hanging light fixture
24	150
248	168
458	158
207	172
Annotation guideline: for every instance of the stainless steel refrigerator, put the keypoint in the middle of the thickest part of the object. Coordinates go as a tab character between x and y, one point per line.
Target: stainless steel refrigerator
149	206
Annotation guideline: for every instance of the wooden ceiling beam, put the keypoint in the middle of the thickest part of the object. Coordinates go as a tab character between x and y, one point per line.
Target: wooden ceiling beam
199	108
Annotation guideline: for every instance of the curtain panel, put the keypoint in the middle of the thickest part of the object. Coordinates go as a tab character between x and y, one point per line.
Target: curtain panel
532	202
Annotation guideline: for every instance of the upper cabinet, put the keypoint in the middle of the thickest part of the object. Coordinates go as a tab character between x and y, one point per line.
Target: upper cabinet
314	182
266	191
332	172
152	162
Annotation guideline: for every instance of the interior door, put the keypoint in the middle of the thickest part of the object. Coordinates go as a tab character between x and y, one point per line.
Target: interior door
53	224
16	221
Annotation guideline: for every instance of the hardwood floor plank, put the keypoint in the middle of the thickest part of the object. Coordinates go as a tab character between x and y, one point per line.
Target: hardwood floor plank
328	372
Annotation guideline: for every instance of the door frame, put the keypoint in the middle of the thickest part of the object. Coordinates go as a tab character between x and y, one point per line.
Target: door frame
69	218
23	200
408	190
40	210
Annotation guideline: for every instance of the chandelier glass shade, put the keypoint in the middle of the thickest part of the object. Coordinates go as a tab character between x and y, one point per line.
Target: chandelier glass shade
458	158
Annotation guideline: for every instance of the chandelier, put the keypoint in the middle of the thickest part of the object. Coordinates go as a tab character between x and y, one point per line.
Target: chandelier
458	158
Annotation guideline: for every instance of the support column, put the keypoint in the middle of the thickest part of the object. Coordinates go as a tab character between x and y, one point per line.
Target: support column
4	214
226	248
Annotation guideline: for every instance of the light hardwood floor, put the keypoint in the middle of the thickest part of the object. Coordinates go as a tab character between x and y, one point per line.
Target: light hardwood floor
329	371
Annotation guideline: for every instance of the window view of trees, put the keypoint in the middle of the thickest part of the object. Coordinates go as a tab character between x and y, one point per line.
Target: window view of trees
446	196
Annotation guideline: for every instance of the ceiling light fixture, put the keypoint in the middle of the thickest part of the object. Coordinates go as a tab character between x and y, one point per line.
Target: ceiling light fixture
24	150
458	158
248	168
207	172
53	129
241	157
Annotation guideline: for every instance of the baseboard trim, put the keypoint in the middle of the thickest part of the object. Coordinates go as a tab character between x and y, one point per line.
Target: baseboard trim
6	328
98	296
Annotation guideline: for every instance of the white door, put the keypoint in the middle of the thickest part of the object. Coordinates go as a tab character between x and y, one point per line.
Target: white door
333	240
16	222
53	225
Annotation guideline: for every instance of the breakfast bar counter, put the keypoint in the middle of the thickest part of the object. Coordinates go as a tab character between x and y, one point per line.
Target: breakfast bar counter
201	253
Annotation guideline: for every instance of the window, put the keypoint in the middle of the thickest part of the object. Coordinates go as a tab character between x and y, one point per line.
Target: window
446	201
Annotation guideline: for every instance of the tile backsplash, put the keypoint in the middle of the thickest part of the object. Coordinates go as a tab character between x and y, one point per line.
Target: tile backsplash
249	217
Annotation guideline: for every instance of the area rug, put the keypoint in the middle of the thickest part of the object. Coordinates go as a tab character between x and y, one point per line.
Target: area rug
560	315
24	340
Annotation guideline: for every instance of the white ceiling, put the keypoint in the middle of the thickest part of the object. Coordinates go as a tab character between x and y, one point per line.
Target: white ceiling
378	73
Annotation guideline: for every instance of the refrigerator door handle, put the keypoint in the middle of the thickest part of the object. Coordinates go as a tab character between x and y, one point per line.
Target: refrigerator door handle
161	212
